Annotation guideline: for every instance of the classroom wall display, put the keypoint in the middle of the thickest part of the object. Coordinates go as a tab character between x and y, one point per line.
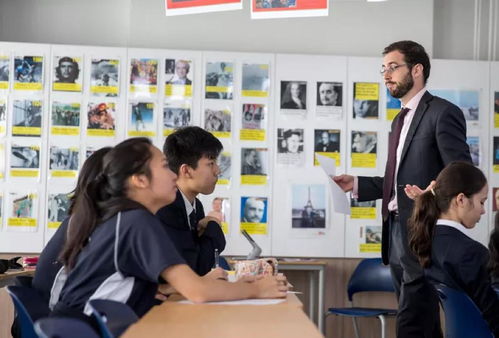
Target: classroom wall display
65	102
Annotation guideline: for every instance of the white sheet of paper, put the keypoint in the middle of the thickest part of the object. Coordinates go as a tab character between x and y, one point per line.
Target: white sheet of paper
341	204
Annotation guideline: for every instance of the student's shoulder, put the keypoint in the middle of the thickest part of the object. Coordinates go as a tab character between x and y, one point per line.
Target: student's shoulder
138	216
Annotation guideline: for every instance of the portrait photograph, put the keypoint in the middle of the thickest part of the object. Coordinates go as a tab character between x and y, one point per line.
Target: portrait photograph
294	95
217	120
219	208
327	140
364	142
329	94
224	164
219	80
67	74
253	161
178	72
290	146
253	210
308	206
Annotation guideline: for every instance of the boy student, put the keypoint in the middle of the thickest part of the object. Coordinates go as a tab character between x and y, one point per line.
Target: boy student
192	154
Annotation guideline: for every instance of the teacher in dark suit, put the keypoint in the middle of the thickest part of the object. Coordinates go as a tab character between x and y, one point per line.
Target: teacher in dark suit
427	134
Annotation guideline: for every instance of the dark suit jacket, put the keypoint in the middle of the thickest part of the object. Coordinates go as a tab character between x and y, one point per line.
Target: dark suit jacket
461	263
197	251
436	137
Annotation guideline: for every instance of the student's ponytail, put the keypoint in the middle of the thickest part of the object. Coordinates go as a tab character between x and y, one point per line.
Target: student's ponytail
456	178
421	225
106	195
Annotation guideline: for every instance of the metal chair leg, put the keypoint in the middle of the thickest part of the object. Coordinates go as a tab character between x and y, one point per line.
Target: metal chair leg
355	327
383	326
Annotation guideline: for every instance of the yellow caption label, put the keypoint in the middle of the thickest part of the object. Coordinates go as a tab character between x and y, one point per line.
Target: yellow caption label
4	85
178	90
391	113
143	88
218	89
134	133
371	247
363	160
496	120
67	87
225	227
104	89
167	132
54	225
21	222
254	179
28	86
101	132
252	135
24	173
66	131
221	134
223	181
255	93
254	228
334	156
366	91
36	131
63	173
362	213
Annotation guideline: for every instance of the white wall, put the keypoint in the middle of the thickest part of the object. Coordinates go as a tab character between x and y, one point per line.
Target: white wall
354	27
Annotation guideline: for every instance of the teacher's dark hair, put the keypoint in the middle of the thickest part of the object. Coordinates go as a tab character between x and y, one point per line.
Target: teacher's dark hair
456	178
106	195
414	53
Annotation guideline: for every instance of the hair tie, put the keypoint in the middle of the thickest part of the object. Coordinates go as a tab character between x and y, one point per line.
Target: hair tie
433	192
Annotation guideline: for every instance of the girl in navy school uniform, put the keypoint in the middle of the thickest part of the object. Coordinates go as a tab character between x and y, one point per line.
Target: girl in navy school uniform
439	235
117	249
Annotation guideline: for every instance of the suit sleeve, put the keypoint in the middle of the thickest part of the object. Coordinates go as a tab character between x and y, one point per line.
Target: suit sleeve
370	188
211	239
451	136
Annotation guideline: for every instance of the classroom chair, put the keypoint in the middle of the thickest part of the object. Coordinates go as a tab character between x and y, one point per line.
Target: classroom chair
59	327
29	306
113	317
369	276
462	317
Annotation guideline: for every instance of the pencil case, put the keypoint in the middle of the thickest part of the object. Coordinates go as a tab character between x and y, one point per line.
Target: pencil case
262	266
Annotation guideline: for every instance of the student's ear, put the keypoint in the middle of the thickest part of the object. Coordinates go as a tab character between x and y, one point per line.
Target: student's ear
460	199
139	181
185	170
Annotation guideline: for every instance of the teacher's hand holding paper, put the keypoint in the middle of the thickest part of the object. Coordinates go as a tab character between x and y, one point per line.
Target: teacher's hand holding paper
341	204
345	182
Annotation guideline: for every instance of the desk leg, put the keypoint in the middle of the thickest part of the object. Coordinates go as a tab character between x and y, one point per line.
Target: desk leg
312	296
320	313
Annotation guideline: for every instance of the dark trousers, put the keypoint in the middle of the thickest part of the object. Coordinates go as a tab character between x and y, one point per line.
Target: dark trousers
418	312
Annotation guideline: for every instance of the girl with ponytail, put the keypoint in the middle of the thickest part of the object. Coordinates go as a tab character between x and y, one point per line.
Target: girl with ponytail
439	235
117	249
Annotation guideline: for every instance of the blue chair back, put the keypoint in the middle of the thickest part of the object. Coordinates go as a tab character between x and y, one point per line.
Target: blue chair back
370	275
113	317
29	306
462	317
224	264
63	328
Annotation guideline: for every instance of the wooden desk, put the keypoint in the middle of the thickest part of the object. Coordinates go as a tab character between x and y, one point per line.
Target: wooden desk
286	320
7	278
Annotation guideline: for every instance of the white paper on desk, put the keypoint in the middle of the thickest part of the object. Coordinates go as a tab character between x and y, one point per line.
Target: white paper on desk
242	302
340	200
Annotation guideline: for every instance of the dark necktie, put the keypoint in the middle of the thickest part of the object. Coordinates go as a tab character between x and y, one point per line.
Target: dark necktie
193	220
391	163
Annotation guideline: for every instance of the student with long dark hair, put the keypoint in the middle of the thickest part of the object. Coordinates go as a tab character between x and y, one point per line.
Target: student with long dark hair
439	235
48	264
117	249
494	253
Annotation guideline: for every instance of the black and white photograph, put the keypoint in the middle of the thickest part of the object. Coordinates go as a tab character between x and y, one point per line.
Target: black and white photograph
254	161
24	157
4	69
178	72
176	115
372	234
255	80
308	206
66	114
290	145
364	142
68	74
327	140
3	111
224	164
217	120
63	158
219	80
474	144
253	116
26	113
365	100
104	77
354	203
329	99
28	69
294	95
57	207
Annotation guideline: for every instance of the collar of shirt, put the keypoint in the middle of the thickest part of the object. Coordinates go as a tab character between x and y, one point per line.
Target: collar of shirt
455	225
414	102
188	206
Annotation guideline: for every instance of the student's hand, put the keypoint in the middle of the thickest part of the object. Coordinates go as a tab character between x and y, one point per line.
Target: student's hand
164	290
203	223
344	181
272	287
217	273
413	191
